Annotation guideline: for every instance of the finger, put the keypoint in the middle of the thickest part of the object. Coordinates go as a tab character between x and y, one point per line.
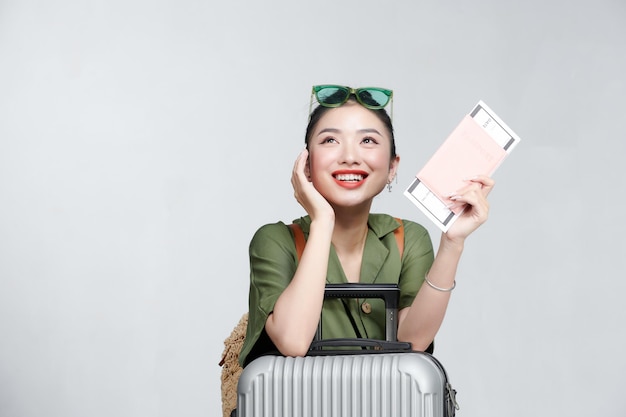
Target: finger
298	167
473	197
471	186
486	183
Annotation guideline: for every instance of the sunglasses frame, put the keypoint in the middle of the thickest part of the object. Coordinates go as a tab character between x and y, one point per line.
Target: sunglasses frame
350	92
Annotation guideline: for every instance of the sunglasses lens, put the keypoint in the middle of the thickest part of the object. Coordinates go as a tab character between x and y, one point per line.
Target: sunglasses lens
335	95
374	97
331	95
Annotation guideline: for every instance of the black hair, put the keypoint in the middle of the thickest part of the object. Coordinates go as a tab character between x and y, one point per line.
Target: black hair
319	111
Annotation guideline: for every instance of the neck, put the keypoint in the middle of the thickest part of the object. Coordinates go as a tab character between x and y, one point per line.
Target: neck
350	230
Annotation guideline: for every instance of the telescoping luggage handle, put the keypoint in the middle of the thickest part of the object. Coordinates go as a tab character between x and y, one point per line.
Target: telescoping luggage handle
389	293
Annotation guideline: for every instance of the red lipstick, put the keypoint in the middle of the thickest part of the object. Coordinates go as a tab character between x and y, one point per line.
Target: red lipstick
349	178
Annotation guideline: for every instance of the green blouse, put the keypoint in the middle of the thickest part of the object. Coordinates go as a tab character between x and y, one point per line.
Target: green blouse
273	262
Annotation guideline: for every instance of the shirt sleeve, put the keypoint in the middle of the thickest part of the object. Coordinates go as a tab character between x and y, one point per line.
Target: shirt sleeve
273	262
416	261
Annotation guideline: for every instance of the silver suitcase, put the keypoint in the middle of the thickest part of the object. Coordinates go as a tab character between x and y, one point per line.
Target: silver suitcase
389	380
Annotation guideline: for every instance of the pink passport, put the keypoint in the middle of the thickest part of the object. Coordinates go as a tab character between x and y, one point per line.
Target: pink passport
468	151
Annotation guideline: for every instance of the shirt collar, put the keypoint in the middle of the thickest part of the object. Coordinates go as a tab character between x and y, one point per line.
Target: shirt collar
379	224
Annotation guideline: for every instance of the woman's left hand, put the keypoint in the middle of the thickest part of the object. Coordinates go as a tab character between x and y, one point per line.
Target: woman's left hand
477	210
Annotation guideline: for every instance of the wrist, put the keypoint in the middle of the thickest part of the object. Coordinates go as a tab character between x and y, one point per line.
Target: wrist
326	223
455	244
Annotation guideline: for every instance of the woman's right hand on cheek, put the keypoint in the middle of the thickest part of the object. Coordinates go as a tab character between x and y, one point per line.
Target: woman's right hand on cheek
306	194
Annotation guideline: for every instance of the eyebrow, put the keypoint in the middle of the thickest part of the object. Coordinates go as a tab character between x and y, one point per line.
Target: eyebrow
335	130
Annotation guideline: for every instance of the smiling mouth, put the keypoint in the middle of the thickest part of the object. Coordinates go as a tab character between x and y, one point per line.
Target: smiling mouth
350	177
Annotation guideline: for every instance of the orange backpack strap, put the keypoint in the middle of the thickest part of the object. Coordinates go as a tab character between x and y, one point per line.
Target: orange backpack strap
298	236
399	234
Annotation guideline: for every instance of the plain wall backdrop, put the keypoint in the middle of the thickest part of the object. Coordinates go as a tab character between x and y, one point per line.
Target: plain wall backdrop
142	143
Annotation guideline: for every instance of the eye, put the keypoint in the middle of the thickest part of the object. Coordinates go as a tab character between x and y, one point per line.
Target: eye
328	139
368	140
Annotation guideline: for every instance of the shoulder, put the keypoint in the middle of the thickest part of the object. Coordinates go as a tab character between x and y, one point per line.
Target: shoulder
276	233
417	240
272	229
385	223
414	229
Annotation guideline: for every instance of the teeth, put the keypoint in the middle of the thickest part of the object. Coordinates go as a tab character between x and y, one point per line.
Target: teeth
349	177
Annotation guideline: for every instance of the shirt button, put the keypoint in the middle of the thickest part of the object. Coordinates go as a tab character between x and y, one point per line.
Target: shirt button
366	307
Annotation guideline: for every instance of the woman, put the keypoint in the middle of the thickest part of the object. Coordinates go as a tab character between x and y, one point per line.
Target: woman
349	159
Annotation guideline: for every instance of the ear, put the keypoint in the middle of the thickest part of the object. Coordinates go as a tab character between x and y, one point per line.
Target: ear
393	168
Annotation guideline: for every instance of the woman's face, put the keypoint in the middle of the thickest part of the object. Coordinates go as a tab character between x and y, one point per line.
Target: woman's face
350	155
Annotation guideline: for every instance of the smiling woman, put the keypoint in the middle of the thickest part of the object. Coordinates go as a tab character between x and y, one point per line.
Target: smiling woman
350	156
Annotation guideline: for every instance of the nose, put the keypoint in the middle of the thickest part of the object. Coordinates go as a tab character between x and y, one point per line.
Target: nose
350	153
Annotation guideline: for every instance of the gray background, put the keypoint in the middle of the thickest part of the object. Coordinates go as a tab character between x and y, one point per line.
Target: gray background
143	142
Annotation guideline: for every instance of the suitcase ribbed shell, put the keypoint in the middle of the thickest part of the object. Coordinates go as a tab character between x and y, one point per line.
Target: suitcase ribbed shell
368	385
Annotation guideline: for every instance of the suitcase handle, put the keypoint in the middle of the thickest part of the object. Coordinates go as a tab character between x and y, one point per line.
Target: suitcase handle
389	293
384	345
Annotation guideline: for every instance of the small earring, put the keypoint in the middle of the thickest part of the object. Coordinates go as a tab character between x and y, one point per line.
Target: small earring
389	186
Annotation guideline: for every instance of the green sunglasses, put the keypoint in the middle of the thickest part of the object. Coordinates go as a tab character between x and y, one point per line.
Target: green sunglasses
335	95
